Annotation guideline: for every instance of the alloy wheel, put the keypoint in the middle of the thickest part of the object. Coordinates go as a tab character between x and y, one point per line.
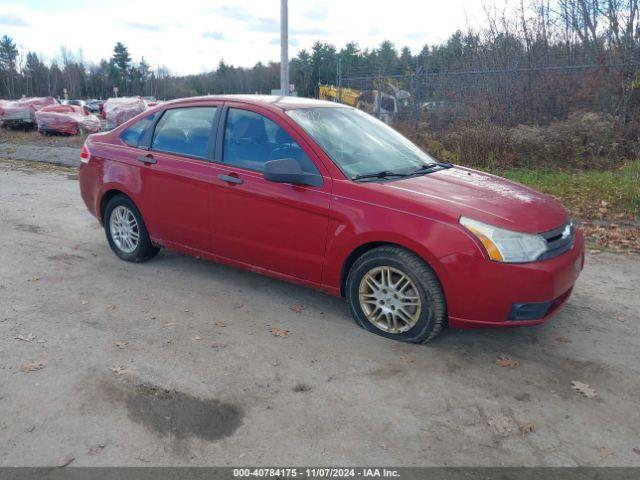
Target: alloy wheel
124	229
389	299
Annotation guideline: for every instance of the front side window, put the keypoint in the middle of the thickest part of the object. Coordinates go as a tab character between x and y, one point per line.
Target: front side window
251	140
358	143
135	134
185	131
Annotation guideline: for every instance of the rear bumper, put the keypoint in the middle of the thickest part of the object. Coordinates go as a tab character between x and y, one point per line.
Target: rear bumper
482	293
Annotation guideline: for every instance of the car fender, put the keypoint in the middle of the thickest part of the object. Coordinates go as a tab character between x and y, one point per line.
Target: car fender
430	240
125	178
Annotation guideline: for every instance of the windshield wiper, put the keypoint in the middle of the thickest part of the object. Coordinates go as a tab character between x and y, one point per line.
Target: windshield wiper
430	167
381	174
426	168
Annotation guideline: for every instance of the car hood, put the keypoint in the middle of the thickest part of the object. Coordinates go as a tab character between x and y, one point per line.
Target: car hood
466	192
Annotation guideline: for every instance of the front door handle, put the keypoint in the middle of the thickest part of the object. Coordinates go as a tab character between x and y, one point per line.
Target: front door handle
230	179
148	159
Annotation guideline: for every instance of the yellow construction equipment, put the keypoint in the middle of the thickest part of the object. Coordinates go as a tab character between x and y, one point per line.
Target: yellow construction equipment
347	96
385	104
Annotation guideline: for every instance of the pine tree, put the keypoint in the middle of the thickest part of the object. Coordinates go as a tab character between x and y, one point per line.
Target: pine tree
33	69
8	55
350	57
406	61
120	62
387	58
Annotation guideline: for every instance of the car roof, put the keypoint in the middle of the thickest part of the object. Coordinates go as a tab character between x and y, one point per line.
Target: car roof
281	102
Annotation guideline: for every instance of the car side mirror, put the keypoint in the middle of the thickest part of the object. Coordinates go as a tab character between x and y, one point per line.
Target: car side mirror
287	170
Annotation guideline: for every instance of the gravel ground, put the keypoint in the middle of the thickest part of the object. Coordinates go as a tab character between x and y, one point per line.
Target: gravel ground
173	362
61	155
31	145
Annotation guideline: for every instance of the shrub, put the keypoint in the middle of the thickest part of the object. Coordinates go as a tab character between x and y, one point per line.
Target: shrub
537	146
480	145
584	140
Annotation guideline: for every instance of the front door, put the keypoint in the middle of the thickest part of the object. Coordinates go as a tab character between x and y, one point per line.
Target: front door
276	226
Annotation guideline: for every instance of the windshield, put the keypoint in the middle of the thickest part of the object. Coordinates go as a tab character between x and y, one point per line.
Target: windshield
358	143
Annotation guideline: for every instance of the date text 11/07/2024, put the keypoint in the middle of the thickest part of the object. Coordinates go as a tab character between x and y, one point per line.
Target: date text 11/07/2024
316	472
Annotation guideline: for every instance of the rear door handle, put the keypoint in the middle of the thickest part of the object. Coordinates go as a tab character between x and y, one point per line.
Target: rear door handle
147	159
230	179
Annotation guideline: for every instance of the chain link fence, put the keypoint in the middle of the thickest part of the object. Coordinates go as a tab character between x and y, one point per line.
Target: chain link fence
530	96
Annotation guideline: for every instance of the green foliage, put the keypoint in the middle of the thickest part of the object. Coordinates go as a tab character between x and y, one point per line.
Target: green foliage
119	70
585	161
585	191
121	58
324	61
8	54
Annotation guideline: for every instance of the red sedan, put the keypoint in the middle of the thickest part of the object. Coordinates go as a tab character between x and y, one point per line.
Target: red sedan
66	119
324	195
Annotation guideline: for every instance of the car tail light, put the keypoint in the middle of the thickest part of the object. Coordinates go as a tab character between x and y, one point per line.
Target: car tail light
85	155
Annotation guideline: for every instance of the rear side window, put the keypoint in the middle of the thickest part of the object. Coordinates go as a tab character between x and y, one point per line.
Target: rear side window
135	134
185	131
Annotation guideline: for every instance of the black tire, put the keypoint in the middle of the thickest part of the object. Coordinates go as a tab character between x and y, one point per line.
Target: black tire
433	314
144	249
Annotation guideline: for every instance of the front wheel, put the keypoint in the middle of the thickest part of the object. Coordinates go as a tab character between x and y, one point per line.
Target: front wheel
393	293
126	232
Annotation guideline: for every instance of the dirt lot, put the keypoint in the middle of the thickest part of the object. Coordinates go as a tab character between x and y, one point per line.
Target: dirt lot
31	145
173	362
32	137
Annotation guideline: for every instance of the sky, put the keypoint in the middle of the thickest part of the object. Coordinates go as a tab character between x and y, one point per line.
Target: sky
192	36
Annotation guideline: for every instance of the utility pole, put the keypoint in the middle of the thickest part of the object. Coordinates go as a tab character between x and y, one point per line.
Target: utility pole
339	79
284	48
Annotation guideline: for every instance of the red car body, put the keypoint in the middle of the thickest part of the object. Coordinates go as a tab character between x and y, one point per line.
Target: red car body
117	111
66	119
23	110
311	235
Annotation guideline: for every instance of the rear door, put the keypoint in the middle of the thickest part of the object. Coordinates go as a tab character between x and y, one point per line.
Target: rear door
277	226
176	175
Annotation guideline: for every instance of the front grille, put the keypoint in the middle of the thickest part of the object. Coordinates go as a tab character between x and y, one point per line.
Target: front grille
559	240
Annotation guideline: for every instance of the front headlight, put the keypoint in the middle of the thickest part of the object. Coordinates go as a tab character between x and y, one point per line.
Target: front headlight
504	245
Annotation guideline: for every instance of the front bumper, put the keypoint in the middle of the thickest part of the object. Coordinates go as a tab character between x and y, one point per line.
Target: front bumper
481	293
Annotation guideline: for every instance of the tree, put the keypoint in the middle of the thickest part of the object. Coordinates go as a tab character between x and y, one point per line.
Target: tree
302	72
406	61
424	57
623	18
54	79
323	61
34	71
535	63
139	75
144	69
351	60
120	62
8	55
387	58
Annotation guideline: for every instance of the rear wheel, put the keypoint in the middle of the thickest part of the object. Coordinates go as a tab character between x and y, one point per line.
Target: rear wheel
393	293
126	232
